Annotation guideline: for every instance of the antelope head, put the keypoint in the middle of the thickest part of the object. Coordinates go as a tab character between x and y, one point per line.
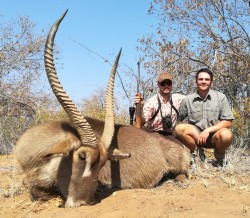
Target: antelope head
90	154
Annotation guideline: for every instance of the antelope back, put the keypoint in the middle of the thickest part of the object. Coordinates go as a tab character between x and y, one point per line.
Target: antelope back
152	156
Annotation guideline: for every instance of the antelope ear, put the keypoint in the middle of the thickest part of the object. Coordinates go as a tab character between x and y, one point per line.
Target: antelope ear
115	154
62	148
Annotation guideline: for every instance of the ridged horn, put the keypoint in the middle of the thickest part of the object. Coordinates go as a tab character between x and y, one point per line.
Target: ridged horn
109	126
83	128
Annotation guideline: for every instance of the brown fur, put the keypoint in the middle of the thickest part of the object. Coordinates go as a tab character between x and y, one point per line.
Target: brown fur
52	158
152	155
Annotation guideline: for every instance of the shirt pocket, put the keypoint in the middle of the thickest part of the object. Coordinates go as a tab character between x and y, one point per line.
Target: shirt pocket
212	115
195	114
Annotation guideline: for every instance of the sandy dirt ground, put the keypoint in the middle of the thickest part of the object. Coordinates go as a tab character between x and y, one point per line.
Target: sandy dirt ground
217	194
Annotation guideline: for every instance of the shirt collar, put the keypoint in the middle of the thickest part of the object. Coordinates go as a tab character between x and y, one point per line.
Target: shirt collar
197	96
163	99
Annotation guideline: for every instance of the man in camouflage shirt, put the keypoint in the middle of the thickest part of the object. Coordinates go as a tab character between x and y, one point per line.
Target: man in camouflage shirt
209	118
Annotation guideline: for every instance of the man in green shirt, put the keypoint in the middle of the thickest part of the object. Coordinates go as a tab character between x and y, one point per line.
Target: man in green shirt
209	118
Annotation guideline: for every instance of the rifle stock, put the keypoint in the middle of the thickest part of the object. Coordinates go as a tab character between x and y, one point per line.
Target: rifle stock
138	113
138	105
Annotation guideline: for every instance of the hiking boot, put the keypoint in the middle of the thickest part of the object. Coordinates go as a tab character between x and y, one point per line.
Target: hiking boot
220	159
219	163
193	158
201	154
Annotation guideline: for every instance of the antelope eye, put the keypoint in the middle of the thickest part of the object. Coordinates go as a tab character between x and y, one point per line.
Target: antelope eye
82	156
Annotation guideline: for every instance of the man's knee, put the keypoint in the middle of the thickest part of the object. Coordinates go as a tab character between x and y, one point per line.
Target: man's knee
179	129
225	135
223	139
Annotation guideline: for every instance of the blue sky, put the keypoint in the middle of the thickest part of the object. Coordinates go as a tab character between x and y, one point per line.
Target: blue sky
103	26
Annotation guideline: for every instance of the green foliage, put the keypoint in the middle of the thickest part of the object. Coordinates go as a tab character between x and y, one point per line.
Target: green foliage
94	106
18	118
122	117
44	115
11	127
241	125
21	58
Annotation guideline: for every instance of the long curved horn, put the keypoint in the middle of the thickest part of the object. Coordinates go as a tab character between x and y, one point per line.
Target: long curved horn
82	126
109	126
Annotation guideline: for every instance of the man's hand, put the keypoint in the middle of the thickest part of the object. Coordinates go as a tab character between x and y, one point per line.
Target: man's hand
203	137
139	115
138	98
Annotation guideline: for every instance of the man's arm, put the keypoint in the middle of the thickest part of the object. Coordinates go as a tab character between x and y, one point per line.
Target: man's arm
212	129
183	111
218	126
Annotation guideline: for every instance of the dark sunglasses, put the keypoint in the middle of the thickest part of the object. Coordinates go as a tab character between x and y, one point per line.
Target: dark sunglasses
166	82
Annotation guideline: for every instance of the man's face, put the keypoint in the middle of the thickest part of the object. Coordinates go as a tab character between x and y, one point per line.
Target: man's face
165	86
203	81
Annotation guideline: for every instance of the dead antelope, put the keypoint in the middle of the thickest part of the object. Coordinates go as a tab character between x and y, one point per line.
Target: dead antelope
69	157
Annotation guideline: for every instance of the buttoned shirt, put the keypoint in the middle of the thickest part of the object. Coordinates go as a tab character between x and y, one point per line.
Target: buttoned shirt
206	112
150	108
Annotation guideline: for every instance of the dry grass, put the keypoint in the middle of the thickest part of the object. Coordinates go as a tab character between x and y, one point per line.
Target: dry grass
232	173
220	191
11	186
238	165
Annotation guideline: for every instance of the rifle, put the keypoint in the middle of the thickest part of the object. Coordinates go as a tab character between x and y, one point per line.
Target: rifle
138	105
131	115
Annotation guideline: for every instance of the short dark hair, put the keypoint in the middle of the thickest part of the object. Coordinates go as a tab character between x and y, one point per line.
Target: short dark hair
205	70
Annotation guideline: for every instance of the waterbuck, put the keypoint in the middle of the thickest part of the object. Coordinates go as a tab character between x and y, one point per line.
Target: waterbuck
69	158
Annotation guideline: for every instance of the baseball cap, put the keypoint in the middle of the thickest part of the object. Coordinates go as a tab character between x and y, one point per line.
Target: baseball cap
164	75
